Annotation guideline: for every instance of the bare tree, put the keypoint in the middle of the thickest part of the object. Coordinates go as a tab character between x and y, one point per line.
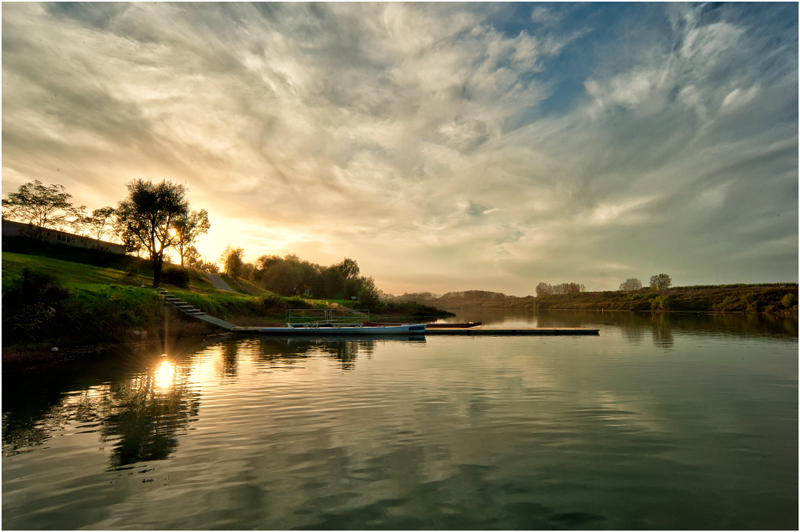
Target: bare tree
630	285
147	215
662	281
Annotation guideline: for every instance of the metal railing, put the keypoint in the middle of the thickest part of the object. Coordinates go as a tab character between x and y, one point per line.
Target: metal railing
338	317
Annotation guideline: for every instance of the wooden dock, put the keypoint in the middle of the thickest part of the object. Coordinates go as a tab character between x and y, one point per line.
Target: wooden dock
537	331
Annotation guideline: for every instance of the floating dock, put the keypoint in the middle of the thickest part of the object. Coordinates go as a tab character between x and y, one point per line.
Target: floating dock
537	331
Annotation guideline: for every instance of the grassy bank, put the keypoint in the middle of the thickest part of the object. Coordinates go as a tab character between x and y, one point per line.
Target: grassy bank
51	302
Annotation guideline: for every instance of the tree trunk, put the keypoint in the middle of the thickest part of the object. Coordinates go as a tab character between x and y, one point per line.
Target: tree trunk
157	263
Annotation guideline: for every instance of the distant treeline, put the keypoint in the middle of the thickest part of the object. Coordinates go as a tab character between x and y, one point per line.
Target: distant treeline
544	289
777	298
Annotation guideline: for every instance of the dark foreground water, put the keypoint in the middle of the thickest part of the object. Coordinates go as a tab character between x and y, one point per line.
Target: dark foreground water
676	422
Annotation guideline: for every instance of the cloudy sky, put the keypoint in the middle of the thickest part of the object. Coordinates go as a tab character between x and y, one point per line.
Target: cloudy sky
443	146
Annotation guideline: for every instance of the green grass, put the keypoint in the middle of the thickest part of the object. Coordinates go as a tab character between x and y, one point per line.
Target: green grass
102	305
72	274
243	286
105	304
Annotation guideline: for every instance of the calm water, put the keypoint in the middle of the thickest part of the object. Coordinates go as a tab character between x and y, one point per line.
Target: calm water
669	422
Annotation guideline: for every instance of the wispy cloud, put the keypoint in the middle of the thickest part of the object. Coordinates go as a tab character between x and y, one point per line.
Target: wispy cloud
443	146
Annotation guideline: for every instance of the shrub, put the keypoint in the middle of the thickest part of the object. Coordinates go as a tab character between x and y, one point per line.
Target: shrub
176	275
31	304
661	303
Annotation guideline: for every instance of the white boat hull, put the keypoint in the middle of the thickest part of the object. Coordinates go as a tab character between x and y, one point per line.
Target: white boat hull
345	330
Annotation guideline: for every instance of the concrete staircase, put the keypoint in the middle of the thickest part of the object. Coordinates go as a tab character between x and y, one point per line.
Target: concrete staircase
194	312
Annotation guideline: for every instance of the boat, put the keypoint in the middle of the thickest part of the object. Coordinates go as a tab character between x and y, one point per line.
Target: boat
339	321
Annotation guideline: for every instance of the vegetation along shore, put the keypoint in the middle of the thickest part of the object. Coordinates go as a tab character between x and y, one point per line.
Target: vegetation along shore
72	298
776	299
64	286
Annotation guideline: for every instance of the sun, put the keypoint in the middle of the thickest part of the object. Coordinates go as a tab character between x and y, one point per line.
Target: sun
164	376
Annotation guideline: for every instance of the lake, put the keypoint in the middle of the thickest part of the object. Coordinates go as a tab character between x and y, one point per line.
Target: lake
661	421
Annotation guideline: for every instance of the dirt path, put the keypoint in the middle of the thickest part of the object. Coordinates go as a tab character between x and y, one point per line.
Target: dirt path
218	283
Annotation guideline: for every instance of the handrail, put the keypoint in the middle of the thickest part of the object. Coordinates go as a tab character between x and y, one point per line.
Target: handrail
326	317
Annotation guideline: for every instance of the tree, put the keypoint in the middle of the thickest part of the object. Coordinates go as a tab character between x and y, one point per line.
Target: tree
146	218
662	281
544	289
193	259
630	285
38	205
81	222
233	260
101	220
188	228
369	295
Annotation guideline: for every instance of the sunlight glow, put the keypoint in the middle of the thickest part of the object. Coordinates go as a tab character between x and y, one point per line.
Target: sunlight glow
164	376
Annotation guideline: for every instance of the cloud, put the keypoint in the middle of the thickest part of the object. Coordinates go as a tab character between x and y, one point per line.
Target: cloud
421	139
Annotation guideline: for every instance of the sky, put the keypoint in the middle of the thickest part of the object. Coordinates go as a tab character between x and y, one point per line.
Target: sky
443	146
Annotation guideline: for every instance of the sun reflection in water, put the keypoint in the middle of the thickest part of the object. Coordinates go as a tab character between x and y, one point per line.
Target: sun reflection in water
164	376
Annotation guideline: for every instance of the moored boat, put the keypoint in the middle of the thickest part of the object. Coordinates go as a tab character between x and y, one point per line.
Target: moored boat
339	321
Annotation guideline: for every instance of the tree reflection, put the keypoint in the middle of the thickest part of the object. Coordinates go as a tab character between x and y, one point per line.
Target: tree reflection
37	403
345	352
146	417
139	410
662	332
20	433
230	351
288	351
282	351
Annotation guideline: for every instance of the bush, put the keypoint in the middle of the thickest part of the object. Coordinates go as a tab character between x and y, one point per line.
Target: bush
176	275
661	303
30	305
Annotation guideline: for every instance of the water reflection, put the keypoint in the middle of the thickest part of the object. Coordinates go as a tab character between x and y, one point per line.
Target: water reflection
146	413
230	358
662	332
344	349
141	406
139	414
164	376
489	433
636	326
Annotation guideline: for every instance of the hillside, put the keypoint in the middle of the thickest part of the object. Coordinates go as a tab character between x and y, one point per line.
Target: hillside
98	298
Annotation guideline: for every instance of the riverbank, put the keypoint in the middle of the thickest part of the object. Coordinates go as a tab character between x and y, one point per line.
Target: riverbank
76	307
770	299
